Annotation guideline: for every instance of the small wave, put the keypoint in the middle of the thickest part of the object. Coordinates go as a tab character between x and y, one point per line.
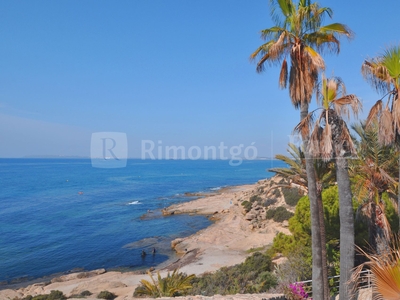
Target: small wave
216	188
134	202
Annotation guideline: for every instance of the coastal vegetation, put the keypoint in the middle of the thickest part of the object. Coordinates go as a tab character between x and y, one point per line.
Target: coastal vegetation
278	214
254	275
106	295
292	195
175	284
54	295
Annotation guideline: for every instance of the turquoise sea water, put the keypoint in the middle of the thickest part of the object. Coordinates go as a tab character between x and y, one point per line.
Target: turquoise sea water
58	215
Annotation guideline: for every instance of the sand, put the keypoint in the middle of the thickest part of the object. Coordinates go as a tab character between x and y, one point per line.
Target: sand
226	242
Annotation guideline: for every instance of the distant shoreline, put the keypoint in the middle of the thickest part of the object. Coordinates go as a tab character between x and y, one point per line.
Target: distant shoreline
129	158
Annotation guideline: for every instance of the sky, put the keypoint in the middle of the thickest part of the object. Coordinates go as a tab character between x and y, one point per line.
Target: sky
167	73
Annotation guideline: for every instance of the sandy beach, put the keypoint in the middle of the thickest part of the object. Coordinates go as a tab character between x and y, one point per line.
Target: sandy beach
226	242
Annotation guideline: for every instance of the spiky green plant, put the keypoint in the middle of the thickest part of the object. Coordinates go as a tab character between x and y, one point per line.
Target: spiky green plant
174	284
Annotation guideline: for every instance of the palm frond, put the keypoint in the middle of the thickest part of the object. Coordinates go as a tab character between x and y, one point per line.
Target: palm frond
271	32
391	61
374	113
337	28
385	271
277	47
315	58
283	74
343	104
305	126
386	132
347	141
327	142
382	71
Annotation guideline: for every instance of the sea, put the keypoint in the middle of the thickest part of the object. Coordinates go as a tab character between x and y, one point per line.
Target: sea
64	215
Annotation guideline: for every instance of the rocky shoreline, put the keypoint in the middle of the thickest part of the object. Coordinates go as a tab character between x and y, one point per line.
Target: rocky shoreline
237	228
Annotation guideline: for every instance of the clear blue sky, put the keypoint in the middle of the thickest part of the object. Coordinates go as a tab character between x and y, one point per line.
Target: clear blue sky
171	70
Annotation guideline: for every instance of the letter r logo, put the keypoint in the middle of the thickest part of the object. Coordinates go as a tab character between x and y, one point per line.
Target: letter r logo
109	149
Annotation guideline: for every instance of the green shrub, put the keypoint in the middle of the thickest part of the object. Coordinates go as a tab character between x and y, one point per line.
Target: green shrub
292	195
54	295
254	275
282	214
83	294
269	202
247	205
279	214
298	244
86	293
276	193
270	213
106	295
255	198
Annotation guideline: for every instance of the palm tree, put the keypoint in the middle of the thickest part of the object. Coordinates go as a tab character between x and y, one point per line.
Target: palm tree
330	139
298	34
373	175
296	173
383	73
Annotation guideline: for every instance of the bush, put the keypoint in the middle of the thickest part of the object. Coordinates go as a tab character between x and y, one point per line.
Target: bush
252	276
276	193
270	213
255	198
85	293
106	295
297	246
292	195
269	202
54	295
282	214
246	205
279	214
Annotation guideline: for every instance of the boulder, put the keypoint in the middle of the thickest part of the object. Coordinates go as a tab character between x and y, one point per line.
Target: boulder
250	216
176	242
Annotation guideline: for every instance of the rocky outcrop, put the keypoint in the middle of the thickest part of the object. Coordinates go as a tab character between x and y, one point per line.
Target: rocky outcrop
78	275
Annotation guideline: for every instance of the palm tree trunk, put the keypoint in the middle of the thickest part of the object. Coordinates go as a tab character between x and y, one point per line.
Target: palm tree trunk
346	229
323	243
398	192
317	274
